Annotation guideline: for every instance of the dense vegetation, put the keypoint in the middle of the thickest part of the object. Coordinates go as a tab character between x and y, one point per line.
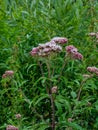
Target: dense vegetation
54	92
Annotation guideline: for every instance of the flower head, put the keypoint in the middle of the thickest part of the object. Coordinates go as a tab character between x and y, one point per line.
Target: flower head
34	51
71	49
92	34
93	69
77	56
61	40
10	127
46	49
4	76
73	52
8	73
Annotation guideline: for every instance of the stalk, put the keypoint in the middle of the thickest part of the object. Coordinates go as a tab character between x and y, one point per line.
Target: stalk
51	98
63	66
53	112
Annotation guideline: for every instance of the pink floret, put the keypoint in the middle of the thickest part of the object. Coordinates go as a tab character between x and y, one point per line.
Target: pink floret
92	34
92	69
78	56
9	72
71	48
10	127
4	76
34	51
60	40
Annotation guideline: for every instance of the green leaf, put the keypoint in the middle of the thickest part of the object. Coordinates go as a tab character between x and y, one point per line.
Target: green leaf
62	101
73	94
40	98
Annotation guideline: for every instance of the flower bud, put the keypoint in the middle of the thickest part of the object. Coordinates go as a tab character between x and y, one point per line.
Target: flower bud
54	89
18	116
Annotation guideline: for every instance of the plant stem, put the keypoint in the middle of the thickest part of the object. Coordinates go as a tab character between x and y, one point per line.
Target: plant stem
79	93
40	65
53	111
51	98
81	86
42	73
63	66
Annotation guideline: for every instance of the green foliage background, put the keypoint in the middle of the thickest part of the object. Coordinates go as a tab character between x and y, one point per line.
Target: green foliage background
23	25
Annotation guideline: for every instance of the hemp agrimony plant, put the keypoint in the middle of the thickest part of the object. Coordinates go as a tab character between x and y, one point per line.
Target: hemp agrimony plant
47	52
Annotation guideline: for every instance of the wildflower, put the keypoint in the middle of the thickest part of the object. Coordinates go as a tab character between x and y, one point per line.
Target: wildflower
60	40
93	69
54	89
10	127
18	116
34	51
77	55
92	34
46	49
8	73
87	76
71	49
4	76
73	52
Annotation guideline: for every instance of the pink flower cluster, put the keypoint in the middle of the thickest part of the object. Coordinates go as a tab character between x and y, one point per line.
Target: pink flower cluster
93	69
45	49
10	127
49	47
61	40
8	73
73	52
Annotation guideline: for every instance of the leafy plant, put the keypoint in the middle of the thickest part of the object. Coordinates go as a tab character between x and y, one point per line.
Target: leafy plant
23	25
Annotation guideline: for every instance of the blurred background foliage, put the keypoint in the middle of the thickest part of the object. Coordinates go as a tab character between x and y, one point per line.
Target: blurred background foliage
23	25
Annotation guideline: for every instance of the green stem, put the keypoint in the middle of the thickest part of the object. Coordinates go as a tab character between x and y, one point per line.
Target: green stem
51	98
63	66
53	111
